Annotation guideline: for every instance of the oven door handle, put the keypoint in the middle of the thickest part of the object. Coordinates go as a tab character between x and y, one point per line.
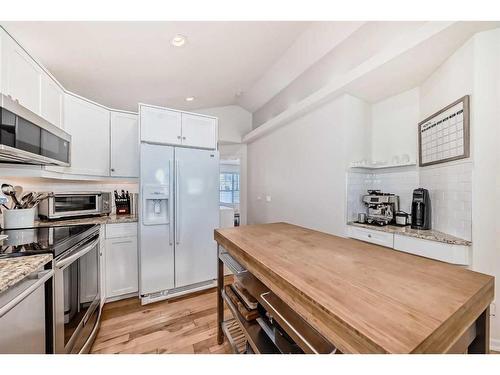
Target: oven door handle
66	261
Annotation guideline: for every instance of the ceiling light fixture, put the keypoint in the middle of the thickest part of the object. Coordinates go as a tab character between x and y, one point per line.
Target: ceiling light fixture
178	40
189	98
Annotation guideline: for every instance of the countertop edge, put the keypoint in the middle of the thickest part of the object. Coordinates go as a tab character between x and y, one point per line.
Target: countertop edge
14	270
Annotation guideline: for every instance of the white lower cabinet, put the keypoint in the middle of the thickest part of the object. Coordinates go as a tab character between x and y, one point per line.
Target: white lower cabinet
121	261
450	253
455	254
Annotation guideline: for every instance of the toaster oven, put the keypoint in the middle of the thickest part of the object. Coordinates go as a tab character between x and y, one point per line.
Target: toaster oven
75	204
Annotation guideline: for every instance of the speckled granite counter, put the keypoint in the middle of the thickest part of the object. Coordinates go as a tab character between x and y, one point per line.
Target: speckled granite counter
431	235
13	270
111	219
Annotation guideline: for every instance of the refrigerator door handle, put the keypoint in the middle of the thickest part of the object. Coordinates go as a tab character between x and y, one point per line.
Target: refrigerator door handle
177	199
170	202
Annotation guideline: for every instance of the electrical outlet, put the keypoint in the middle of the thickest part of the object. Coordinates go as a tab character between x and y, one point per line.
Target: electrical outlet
493	309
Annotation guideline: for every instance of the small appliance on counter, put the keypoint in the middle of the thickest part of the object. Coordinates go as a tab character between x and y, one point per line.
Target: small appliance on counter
381	207
75	204
421	209
402	219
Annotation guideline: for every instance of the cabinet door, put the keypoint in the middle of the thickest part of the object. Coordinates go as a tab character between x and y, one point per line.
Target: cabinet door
51	101
199	131
88	125
124	145
160	125
121	266
22	76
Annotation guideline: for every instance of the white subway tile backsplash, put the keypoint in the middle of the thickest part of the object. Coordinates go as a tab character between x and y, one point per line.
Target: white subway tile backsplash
449	185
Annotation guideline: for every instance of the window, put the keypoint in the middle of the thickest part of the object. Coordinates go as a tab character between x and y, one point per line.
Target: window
229	192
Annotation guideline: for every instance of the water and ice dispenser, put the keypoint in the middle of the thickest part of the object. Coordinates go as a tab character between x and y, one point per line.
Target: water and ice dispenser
155	203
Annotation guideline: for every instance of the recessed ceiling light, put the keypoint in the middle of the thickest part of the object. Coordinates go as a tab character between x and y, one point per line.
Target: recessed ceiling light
189	98
178	40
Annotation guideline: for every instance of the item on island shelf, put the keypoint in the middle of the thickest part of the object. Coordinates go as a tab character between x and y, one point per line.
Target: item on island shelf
421	209
362	218
381	207
245	296
247	314
122	203
402	218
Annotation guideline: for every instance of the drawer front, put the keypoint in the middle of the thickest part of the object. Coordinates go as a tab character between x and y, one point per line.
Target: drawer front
373	236
455	254
121	230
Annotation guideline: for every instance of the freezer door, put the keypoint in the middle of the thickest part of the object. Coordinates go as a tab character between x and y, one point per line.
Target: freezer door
196	215
156	241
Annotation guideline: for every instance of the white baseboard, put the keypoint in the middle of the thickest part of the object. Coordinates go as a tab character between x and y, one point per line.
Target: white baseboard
495	345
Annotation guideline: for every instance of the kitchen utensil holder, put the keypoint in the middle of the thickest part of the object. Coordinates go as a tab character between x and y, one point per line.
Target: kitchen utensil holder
21	218
122	206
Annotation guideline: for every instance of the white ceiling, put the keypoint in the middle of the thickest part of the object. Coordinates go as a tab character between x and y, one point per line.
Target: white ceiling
119	64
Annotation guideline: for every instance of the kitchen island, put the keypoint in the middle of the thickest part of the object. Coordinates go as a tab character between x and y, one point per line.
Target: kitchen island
361	297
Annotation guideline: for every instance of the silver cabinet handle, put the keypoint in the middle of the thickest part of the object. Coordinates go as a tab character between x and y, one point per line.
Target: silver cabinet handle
42	278
120	242
170	203
66	261
177	203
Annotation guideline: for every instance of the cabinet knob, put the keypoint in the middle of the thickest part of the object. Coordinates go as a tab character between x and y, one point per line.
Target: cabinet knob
178	137
369	236
112	169
183	137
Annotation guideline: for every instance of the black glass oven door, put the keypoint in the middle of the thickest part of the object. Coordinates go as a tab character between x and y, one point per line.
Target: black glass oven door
78	204
81	298
28	136
54	147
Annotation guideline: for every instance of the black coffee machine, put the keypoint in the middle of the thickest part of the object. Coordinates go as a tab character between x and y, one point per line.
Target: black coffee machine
421	209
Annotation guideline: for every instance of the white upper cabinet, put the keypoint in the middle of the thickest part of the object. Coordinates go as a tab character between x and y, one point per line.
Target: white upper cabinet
52	97
124	145
163	125
199	131
88	125
21	76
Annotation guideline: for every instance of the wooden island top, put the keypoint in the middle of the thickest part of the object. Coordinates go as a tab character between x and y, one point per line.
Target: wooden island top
362	297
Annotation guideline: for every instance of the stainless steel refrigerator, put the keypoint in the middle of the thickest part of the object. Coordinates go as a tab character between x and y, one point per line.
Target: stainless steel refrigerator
179	210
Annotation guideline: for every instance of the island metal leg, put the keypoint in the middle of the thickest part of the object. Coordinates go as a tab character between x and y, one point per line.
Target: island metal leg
481	344
220	302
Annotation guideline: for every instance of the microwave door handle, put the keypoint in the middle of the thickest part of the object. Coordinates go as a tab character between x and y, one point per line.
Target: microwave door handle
66	261
177	199
170	202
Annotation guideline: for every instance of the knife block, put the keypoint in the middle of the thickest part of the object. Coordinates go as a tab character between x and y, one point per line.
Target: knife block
122	206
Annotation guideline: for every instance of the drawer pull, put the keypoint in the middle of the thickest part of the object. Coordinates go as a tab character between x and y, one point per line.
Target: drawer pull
369	235
231	263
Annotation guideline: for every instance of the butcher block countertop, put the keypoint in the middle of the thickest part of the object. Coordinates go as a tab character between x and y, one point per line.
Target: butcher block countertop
364	298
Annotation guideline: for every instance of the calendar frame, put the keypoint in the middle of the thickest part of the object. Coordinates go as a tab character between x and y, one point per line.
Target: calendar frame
466	131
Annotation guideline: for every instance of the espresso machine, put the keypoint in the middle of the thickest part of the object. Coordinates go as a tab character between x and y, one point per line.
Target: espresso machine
381	207
421	209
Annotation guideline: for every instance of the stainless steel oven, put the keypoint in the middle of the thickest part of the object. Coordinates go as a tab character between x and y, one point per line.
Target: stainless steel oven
73	204
77	294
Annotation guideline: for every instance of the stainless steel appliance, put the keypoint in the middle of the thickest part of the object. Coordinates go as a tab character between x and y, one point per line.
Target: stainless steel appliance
25	315
74	204
402	218
421	209
27	138
76	291
381	207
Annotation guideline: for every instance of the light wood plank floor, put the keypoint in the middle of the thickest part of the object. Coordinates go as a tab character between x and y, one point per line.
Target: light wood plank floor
185	325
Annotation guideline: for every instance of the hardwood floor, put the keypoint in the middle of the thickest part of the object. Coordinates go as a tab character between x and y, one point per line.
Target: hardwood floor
183	325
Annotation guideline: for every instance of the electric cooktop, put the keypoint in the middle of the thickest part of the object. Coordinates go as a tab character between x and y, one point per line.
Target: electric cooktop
55	240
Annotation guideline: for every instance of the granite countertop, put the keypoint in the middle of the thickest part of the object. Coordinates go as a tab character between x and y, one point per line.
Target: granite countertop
13	270
111	219
431	235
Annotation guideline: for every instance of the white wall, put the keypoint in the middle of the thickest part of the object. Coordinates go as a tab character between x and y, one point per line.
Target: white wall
234	122
394	126
301	167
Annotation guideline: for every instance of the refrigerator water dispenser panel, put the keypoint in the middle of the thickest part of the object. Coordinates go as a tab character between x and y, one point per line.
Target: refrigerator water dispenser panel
155	204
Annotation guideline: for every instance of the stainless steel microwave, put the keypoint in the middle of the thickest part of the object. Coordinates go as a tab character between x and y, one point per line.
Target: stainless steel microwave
27	138
75	204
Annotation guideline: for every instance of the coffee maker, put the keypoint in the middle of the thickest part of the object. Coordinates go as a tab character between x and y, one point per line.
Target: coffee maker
421	209
381	207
